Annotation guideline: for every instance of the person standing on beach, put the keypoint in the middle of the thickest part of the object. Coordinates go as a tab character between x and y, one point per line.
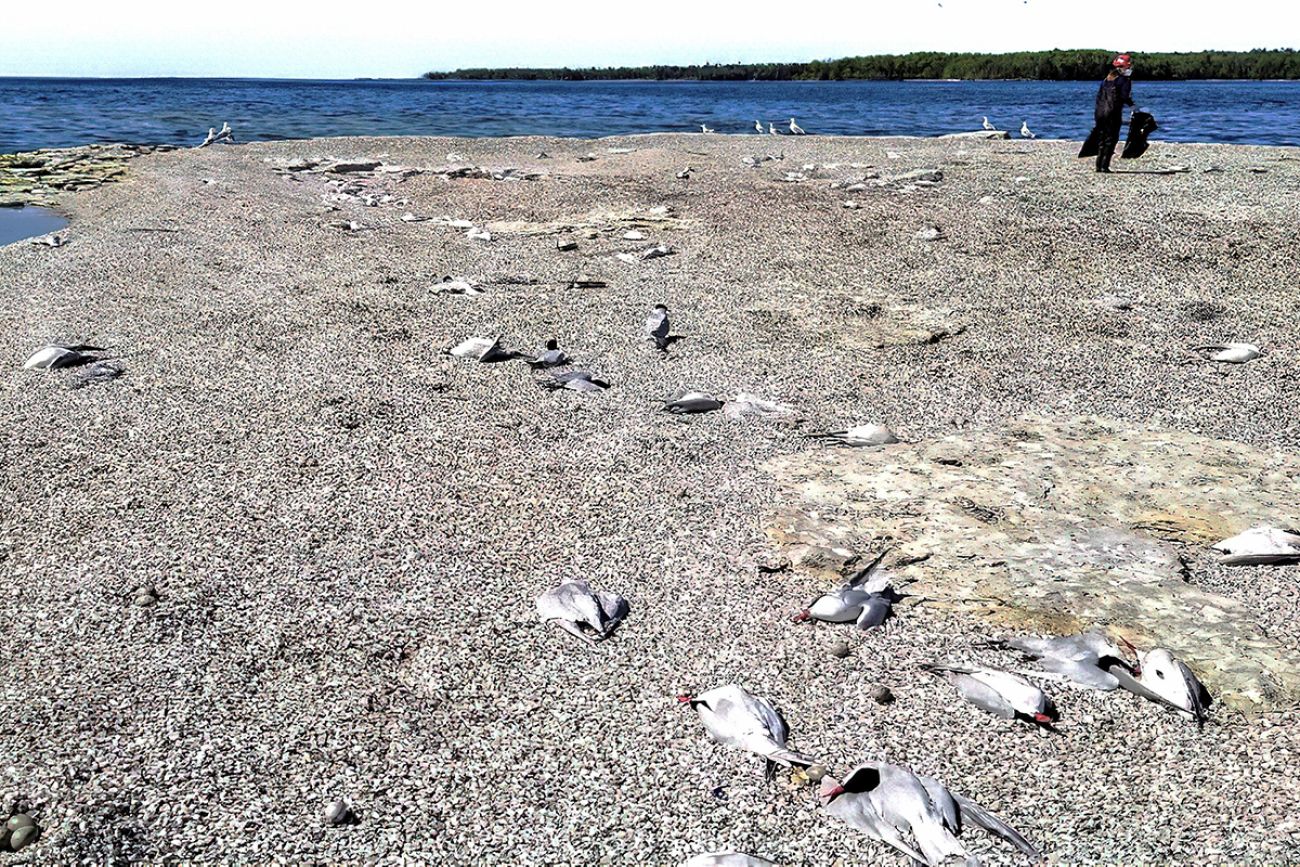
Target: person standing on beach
1115	93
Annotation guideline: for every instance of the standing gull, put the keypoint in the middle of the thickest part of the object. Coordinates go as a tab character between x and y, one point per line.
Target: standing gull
1024	130
704	129
758	126
988	125
795	129
771	128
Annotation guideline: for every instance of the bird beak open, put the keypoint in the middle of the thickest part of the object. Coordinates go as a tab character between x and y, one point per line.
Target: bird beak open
801	616
685	699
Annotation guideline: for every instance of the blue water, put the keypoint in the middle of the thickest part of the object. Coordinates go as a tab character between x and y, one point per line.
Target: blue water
28	222
37	113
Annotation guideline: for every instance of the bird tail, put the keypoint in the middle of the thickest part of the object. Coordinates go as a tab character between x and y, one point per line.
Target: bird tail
982	818
789	759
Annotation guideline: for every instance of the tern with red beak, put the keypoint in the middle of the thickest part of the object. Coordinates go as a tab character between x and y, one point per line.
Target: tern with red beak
916	815
734	717
1085	659
865	599
1001	693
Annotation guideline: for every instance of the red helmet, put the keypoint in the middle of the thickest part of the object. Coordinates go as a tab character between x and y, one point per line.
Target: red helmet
1122	62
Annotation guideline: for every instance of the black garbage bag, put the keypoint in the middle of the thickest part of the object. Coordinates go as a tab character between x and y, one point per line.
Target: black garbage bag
1141	126
1091	144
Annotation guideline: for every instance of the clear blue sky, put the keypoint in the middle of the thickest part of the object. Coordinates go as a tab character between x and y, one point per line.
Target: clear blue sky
400	39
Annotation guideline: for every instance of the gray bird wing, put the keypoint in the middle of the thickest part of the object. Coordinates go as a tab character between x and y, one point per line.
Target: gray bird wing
614	608
943	801
572	603
693	404
875	610
981	695
904	802
1083	673
982	818
866	572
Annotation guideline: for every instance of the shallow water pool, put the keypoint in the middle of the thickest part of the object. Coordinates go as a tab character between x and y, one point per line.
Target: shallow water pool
17	224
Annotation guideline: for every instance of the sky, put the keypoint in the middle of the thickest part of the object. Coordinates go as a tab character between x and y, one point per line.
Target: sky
403	39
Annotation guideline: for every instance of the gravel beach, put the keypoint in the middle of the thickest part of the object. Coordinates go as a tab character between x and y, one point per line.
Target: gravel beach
290	556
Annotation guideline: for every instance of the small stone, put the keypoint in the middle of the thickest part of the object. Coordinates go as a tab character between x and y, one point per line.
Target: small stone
19	820
338	813
841	649
146	600
565	246
882	695
815	773
24	837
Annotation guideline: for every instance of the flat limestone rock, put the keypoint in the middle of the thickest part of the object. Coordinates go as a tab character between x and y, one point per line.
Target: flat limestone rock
864	321
1055	526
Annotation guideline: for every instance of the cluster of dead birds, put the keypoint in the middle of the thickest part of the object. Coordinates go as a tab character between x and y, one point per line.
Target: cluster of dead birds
915	814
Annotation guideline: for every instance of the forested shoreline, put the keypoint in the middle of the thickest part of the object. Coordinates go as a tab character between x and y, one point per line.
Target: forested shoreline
1057	65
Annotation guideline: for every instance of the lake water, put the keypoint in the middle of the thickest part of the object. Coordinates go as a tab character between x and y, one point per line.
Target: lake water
36	113
19	223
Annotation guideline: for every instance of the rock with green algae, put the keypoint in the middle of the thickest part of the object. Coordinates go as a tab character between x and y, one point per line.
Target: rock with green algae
41	177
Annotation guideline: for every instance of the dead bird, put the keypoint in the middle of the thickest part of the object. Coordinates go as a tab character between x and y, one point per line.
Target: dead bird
574	380
656	327
1000	693
551	356
577	609
56	357
866	599
859	436
484	349
1260	545
692	402
1229	353
457	286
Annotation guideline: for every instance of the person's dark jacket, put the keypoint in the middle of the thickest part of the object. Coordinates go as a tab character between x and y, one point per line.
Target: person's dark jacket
1112	96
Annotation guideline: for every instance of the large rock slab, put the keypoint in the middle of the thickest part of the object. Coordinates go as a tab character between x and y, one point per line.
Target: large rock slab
1055	526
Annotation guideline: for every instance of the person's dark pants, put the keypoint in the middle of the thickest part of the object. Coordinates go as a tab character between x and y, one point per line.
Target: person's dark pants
1108	128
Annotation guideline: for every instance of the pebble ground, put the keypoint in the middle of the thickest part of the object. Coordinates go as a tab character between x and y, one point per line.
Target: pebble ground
344	529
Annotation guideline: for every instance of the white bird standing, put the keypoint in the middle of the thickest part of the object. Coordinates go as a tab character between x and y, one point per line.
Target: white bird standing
988	125
656	327
1024	130
705	129
916	815
581	611
1001	693
771	129
795	129
735	718
758	126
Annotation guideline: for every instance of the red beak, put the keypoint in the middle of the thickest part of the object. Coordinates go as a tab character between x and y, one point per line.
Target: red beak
685	699
802	616
1042	718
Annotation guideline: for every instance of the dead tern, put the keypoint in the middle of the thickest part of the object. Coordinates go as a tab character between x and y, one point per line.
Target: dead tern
692	402
1260	545
577	609
551	356
574	380
56	357
916	815
865	599
484	349
735	718
1229	353
859	436
1001	693
1162	678
727	859
656	327
1084	659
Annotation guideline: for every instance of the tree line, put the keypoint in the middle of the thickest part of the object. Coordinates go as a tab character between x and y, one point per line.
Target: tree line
1057	65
